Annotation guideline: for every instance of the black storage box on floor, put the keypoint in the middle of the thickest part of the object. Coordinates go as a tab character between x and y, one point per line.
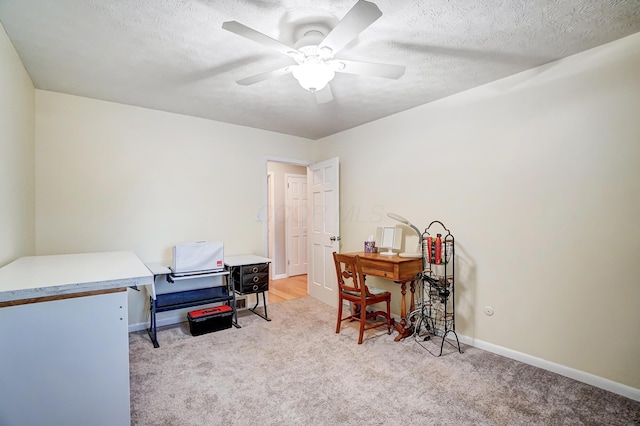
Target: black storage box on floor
210	319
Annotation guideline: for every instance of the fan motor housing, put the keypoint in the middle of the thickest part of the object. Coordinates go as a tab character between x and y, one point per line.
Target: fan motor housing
312	37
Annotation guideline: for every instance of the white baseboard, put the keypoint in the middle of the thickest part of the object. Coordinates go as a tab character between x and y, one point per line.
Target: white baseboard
161	322
280	276
581	376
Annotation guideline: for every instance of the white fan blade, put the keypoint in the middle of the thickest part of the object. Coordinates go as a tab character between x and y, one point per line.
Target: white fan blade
360	16
263	76
324	96
369	68
258	37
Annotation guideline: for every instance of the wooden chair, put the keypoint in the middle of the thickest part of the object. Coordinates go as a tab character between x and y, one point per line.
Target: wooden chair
352	288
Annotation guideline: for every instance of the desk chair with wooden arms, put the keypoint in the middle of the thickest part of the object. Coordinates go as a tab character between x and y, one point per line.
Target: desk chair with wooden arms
352	288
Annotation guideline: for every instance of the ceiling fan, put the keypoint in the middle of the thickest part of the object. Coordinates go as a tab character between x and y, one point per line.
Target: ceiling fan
314	52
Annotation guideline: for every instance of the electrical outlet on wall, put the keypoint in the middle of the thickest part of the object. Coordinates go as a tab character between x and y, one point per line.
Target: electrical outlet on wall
241	303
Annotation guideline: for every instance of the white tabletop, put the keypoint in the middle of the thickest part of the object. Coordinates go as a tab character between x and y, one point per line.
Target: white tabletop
159	268
41	276
245	259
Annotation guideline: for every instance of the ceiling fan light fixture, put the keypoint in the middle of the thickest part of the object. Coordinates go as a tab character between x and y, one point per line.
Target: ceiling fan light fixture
313	75
315	45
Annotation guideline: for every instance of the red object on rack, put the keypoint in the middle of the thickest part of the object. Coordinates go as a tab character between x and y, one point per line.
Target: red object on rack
429	242
438	250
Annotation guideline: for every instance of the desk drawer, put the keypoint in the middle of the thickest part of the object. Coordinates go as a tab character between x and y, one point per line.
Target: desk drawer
395	271
252	288
252	269
385	274
252	283
249	279
379	269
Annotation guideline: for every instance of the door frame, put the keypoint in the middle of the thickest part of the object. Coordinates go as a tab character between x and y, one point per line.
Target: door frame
265	193
270	222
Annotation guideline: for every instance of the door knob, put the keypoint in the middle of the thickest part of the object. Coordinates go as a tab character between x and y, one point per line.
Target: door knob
335	238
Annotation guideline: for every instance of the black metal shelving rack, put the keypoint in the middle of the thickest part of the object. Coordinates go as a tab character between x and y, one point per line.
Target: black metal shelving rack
187	299
435	313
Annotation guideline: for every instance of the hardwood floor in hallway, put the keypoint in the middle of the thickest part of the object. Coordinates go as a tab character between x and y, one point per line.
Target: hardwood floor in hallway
287	288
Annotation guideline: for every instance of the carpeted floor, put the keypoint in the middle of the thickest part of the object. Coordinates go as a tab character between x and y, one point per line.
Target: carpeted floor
295	370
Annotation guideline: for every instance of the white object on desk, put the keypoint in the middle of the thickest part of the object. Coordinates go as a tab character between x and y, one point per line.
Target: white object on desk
198	256
414	255
390	238
65	354
418	252
245	259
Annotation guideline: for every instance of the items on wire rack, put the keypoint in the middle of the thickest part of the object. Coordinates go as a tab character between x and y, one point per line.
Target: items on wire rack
434	315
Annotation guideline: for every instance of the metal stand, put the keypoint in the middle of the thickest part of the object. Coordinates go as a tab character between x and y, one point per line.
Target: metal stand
264	302
232	285
187	299
153	328
435	314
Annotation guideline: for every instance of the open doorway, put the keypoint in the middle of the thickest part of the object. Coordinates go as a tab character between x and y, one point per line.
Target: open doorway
286	234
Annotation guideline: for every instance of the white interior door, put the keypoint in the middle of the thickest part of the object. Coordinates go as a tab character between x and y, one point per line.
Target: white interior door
324	229
296	207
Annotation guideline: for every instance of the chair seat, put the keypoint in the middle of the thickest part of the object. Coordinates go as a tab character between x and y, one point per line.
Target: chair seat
373	290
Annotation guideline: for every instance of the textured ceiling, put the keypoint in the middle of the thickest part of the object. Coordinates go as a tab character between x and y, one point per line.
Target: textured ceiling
173	55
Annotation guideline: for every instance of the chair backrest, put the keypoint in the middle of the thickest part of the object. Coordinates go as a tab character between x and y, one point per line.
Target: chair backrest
350	276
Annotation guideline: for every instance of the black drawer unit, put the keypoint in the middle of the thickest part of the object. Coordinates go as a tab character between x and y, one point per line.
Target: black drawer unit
249	274
249	279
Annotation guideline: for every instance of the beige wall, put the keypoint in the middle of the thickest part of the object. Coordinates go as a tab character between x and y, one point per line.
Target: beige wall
279	171
17	144
116	177
538	178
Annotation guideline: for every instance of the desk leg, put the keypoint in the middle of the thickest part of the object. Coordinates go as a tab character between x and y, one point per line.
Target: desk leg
403	308
402	329
412	305
153	325
264	301
231	284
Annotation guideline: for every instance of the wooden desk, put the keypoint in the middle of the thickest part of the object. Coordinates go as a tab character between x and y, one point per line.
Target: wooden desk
401	270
